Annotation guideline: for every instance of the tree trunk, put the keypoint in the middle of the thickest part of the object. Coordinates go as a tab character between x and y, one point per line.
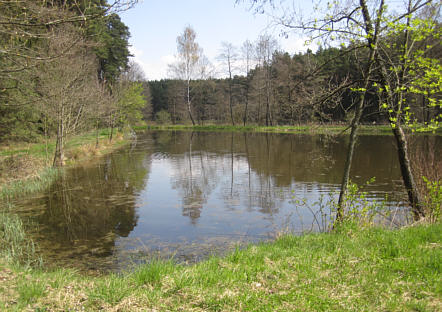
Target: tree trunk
188	103
97	134
407	175
59	152
247	103
112	130
372	44
231	101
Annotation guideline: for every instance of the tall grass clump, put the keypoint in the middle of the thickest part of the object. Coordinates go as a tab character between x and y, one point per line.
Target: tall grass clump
15	246
31	185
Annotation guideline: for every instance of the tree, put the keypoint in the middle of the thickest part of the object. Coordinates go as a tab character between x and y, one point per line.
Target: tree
247	56
112	51
406	71
265	48
26	28
358	25
66	86
229	56
128	100
189	53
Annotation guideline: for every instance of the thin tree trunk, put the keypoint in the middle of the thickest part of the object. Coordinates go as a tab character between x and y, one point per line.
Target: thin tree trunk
112	130
231	101
188	103
96	138
247	104
59	152
372	44
407	175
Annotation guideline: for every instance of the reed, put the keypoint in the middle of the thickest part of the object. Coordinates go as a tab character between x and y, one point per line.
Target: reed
16	246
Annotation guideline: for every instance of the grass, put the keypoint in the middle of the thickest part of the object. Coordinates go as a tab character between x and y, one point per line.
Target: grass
307	128
351	270
313	128
28	167
16	248
33	184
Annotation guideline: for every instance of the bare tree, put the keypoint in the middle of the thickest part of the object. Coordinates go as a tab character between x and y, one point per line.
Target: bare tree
265	47
247	50
134	72
228	57
64	84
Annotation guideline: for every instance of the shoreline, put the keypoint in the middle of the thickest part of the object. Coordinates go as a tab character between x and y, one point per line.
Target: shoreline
31	167
304	129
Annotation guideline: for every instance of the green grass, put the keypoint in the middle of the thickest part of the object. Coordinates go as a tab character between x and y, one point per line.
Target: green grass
28	186
350	270
308	128
16	247
317	129
44	148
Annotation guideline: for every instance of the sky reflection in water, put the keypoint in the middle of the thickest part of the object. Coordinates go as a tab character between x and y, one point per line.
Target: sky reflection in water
188	195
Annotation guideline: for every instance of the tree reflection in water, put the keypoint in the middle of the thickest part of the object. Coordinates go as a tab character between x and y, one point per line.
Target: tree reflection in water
176	190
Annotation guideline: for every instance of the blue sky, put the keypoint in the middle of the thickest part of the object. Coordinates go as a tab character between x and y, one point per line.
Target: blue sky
155	25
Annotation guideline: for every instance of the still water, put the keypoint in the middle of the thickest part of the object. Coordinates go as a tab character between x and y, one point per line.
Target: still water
191	194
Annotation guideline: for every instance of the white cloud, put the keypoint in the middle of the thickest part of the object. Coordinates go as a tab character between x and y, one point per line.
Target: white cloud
153	71
295	45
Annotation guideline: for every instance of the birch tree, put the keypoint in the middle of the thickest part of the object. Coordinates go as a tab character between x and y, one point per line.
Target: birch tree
189	53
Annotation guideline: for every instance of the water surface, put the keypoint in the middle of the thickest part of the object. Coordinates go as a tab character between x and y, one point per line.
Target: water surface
191	194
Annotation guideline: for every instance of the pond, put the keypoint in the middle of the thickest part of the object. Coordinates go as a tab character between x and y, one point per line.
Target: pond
188	195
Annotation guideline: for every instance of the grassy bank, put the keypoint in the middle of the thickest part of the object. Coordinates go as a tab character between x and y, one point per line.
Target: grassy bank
26	167
313	128
352	270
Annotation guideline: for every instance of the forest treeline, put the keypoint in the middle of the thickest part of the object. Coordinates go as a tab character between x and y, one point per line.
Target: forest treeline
64	68
282	89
